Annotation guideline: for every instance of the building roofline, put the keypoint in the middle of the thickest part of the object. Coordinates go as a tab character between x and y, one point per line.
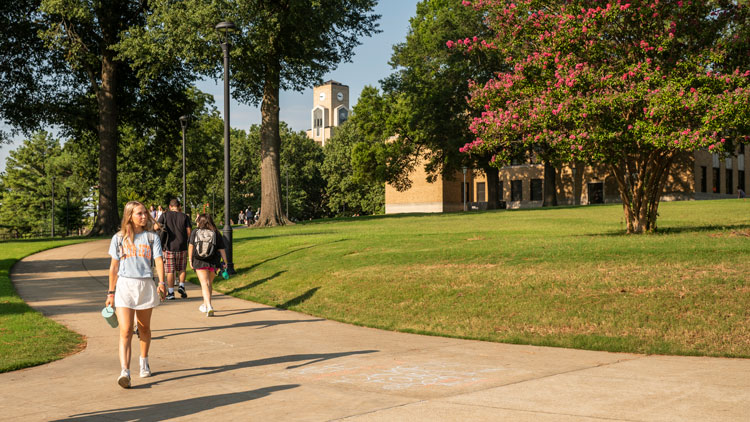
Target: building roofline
331	82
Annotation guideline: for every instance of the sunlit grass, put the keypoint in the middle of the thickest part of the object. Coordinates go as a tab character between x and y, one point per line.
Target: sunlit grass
27	338
564	277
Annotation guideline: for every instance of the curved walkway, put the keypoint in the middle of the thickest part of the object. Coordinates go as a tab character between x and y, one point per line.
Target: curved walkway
253	362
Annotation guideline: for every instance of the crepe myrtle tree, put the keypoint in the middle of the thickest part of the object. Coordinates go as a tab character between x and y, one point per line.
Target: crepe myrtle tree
631	84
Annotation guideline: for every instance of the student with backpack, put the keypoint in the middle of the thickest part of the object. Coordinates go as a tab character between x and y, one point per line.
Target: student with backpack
131	286
205	254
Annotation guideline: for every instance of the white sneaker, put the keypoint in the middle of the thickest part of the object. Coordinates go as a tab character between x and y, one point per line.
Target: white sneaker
210	311
124	379
202	308
145	369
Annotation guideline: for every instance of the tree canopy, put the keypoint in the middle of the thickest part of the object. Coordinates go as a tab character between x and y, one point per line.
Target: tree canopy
58	67
631	84
284	44
348	193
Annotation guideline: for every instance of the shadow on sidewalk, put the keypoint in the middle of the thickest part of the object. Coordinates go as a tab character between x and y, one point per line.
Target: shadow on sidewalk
259	324
210	370
178	408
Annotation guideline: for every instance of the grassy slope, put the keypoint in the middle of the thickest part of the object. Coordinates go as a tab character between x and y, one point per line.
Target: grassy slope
561	277
27	338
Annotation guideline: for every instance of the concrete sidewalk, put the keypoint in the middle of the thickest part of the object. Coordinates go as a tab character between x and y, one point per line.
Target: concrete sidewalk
253	362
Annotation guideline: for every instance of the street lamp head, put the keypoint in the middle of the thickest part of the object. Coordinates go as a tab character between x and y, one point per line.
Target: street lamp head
464	169
225	29
184	121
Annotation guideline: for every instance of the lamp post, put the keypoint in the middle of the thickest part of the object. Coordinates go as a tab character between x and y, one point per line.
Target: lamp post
183	124
67	209
53	206
286	170
574	185
463	187
226	28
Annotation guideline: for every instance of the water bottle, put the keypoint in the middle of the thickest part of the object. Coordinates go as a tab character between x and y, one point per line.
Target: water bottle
109	315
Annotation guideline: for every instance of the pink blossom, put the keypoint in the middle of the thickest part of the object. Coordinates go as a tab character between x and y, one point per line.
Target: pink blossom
449	44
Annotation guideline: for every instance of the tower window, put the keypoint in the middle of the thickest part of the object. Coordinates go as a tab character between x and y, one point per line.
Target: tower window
343	115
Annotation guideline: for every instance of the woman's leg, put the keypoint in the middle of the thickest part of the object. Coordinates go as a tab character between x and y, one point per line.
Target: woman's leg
125	319
206	278
144	328
211	276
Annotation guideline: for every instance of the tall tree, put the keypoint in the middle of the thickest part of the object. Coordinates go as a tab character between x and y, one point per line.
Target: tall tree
28	184
629	84
300	161
280	44
58	66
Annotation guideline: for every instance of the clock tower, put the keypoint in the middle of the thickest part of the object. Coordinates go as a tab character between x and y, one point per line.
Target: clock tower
330	110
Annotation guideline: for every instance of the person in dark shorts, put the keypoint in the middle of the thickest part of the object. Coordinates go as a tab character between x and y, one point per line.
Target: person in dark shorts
178	227
206	252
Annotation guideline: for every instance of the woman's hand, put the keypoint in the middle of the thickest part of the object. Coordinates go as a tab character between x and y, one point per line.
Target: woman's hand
162	289
110	300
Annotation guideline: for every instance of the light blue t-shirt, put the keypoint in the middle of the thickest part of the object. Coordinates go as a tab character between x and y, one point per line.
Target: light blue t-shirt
135	259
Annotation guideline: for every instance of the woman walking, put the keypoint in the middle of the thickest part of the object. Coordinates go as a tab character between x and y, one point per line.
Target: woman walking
131	285
205	252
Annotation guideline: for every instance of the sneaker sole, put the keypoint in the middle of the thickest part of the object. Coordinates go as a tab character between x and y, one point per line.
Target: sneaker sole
210	312
123	382
145	374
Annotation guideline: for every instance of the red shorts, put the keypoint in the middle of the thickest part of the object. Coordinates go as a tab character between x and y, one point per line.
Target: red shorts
175	261
212	269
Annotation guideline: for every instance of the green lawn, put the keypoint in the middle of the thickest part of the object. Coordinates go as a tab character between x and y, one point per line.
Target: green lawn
564	277
27	338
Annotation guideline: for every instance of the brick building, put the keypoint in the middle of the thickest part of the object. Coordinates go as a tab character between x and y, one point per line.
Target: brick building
694	176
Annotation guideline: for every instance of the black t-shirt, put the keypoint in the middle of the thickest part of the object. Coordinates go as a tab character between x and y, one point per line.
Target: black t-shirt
215	259
176	224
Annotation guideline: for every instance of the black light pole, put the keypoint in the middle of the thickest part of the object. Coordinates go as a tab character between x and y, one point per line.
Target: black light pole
286	170
67	208
226	28
53	206
183	124
463	188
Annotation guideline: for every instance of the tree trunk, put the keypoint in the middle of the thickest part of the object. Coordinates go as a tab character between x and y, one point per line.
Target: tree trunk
641	180
550	185
271	212
493	179
107	220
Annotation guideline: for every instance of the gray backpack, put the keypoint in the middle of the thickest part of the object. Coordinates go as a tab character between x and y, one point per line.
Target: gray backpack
205	243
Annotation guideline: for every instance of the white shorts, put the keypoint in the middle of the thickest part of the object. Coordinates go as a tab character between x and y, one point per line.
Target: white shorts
136	293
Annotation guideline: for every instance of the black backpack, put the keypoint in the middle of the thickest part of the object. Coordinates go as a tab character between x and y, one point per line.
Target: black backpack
205	243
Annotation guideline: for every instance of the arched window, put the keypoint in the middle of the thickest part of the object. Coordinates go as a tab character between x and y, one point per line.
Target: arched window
317	121
343	115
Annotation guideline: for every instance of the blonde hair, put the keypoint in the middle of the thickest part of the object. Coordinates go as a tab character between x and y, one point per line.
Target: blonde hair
127	230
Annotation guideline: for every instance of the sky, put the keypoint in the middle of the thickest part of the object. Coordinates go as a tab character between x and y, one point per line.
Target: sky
369	65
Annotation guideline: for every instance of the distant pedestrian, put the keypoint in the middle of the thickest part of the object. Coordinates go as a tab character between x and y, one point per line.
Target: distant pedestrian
205	253
131	285
740	193
152	211
178	227
241	217
159	213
